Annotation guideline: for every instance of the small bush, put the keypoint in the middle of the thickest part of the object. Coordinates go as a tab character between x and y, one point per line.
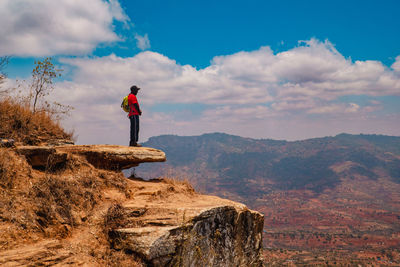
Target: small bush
114	218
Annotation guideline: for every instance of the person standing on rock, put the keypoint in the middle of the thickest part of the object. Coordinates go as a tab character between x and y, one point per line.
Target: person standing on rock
134	113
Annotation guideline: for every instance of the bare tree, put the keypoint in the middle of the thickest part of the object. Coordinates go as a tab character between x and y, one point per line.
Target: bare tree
42	85
42	79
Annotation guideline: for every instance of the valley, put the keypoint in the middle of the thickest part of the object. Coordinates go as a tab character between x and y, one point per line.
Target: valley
333	200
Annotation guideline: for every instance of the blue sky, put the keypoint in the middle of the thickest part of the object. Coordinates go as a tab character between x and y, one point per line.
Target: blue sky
193	32
263	69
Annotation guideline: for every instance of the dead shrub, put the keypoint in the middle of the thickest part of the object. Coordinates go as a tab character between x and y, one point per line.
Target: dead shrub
172	188
7	170
18	122
116	258
116	180
179	185
15	207
104	177
60	200
14	171
115	218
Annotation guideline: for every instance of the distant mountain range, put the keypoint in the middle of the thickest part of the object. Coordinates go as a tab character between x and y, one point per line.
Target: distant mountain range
234	163
336	198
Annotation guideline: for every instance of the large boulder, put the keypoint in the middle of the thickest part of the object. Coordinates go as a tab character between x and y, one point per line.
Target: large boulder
195	230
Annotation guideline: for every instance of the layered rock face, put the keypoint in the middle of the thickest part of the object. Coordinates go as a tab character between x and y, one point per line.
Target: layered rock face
189	229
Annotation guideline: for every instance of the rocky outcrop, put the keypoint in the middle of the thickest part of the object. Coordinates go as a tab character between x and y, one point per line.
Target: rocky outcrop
161	222
191	230
110	157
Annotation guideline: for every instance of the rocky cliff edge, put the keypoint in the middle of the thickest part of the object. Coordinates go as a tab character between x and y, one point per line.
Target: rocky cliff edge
110	157
71	205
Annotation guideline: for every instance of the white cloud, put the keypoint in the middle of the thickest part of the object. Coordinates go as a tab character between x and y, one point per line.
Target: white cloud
396	64
335	109
142	42
47	27
117	12
162	80
300	78
236	114
244	91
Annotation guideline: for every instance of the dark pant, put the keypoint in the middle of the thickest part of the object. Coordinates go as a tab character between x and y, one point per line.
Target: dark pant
134	129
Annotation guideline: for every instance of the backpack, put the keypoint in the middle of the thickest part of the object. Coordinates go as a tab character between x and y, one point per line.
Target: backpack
124	104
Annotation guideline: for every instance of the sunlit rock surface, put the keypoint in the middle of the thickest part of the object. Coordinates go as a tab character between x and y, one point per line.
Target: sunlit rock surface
110	157
190	230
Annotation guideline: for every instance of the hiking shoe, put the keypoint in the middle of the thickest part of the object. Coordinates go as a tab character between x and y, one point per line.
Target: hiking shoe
135	144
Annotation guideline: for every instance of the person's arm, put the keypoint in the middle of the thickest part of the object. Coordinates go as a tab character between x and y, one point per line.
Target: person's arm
136	105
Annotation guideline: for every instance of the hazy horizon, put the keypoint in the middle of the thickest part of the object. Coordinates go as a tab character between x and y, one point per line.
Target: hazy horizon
263	69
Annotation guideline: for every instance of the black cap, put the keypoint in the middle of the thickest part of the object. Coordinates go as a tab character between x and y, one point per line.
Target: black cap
134	88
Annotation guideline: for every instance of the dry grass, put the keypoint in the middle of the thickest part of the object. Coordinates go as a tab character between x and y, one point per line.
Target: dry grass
49	205
116	258
15	212
178	182
18	122
114	218
7	165
178	186
64	201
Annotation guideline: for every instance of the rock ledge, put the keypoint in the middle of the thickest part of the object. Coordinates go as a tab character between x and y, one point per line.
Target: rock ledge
111	157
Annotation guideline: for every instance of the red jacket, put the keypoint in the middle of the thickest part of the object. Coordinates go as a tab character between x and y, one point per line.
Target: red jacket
132	100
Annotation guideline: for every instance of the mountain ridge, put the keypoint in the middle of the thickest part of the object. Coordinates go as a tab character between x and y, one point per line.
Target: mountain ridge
282	160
